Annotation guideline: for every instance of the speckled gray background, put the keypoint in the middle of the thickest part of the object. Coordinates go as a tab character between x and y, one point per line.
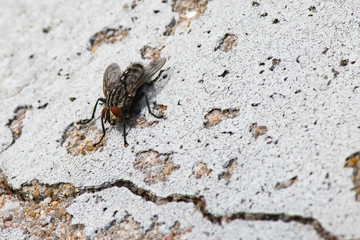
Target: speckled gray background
309	103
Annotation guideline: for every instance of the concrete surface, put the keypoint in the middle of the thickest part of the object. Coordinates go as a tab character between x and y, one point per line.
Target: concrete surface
294	69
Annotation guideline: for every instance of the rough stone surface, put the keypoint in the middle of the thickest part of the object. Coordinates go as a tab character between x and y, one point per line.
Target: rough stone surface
290	67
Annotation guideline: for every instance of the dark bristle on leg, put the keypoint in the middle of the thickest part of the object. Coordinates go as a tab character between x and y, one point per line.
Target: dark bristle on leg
85	121
104	131
124	132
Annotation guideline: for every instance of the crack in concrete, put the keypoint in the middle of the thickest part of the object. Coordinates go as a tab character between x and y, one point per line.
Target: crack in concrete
199	203
246	216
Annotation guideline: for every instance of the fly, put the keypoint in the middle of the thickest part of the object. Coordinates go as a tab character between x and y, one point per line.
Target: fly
120	90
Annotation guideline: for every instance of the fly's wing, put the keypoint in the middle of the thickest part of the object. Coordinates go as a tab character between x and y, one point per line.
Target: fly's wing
138	75
111	77
130	78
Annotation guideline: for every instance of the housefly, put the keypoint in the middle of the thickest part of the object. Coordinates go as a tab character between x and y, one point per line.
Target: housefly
120	90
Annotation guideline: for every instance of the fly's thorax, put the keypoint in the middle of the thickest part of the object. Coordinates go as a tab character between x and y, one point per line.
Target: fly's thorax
118	97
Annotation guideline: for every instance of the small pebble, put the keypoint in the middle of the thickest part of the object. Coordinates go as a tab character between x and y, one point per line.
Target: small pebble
42	217
89	148
36	193
8	217
49	193
47	200
62	211
48	220
8	224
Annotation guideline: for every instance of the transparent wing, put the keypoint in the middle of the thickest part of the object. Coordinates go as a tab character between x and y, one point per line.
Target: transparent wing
138	75
111	77
131	77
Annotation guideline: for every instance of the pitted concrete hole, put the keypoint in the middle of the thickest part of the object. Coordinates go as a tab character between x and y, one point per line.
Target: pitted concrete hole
161	109
107	35
156	166
170	28
344	62
257	130
143	123
230	167
150	53
187	10
227	43
216	116
286	183
275	62
353	161
201	170
16	123
226	72
80	139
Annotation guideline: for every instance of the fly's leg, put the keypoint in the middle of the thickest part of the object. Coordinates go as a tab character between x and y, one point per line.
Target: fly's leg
124	131
148	106
85	121
104	131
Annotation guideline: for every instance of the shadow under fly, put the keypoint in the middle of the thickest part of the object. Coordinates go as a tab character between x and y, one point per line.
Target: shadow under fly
120	90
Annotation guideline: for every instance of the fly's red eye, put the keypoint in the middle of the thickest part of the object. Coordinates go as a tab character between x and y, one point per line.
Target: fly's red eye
116	111
103	112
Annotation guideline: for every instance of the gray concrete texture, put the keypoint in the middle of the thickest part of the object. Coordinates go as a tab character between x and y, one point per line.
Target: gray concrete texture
261	102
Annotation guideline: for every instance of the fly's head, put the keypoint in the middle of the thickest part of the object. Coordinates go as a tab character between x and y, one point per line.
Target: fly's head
112	114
